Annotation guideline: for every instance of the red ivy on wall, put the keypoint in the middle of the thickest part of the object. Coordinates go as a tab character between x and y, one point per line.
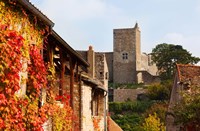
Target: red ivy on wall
23	113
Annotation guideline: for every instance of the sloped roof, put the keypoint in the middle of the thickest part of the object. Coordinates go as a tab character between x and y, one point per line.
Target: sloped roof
28	5
189	73
95	82
113	126
70	50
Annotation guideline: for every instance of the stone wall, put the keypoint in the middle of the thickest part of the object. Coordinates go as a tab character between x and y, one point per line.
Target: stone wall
124	58
77	108
89	108
122	95
101	69
87	123
148	65
109	60
148	78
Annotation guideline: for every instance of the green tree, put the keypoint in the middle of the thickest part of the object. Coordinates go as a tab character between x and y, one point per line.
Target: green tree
167	55
152	123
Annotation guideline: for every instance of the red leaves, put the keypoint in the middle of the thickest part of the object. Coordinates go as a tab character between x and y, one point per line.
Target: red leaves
65	98
19	113
36	69
23	113
10	56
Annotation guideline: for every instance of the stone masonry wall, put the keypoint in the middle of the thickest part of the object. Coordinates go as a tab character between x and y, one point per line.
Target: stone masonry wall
101	69
87	124
148	65
124	70
121	95
109	59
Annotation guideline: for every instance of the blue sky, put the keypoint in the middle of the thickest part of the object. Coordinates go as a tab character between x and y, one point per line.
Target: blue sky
91	22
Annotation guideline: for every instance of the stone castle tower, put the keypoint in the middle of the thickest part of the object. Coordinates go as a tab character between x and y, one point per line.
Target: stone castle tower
126	64
127	55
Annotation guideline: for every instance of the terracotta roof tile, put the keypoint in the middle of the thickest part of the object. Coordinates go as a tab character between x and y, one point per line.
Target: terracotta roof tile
189	73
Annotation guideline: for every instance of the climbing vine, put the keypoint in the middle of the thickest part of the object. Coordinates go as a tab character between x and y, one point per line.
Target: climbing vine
24	76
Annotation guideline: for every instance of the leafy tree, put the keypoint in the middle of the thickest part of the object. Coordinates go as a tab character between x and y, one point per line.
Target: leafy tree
167	55
152	123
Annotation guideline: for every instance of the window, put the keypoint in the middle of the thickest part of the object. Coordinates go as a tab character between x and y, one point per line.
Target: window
97	103
125	56
106	75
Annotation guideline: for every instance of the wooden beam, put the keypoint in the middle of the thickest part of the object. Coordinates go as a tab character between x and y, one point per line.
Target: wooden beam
62	72
77	78
50	54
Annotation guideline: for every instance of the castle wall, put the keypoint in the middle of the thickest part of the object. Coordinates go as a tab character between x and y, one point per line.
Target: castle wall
122	95
148	65
124	68
148	78
126	64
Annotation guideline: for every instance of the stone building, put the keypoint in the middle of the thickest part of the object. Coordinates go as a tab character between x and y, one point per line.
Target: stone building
186	78
126	64
88	96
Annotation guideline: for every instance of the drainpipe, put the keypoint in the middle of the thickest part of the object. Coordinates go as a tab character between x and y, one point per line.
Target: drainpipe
105	112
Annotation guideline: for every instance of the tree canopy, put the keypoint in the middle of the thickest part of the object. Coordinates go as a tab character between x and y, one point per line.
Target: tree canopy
167	55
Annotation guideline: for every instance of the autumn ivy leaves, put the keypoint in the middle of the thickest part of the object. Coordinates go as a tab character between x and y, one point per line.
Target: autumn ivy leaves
23	113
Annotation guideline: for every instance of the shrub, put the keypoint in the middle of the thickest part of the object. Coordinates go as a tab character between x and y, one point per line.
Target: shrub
152	123
160	91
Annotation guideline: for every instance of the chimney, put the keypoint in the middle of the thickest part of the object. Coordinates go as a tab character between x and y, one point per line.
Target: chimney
91	61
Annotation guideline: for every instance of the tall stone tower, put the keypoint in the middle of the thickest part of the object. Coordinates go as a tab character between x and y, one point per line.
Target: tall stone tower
127	55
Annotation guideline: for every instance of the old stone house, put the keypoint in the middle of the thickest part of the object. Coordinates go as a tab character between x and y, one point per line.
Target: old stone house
186	77
88	96
126	64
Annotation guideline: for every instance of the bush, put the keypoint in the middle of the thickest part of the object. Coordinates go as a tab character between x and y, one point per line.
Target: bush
152	123
136	106
160	91
160	108
128	122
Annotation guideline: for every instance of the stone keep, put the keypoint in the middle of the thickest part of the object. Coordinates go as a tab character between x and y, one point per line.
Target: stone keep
127	55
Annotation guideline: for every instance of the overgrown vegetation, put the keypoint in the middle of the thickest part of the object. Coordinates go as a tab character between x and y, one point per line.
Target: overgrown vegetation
187	111
160	91
22	65
133	115
130	115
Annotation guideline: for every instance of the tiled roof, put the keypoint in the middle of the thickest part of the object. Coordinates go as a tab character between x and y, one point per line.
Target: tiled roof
189	73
